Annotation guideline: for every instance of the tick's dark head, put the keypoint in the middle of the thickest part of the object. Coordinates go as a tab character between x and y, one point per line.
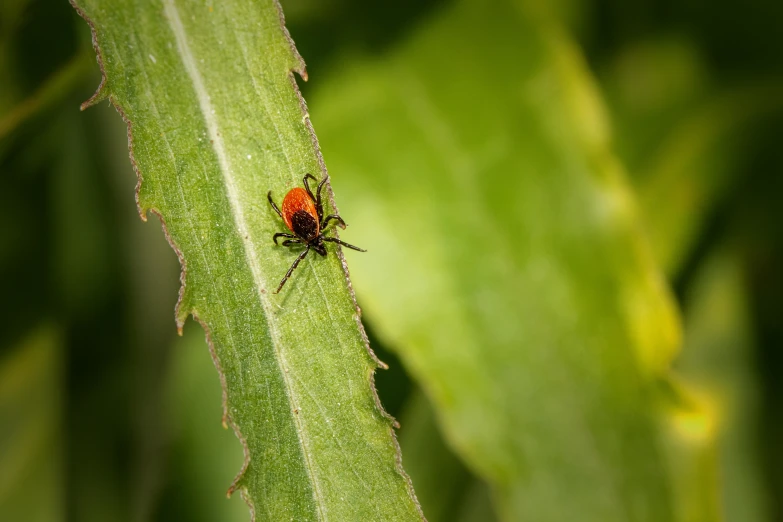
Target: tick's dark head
318	245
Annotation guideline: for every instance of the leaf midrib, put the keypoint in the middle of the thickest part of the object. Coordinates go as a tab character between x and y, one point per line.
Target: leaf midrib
183	49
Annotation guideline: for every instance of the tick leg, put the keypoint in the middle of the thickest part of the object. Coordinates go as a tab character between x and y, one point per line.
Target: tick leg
269	197
293	267
318	206
343	243
307	185
330	217
292	242
317	197
282	234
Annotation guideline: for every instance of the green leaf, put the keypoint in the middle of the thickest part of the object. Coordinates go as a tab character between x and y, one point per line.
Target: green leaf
215	121
507	266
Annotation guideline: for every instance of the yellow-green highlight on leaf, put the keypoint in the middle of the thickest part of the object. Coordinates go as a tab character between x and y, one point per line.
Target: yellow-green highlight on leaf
689	422
718	359
508	268
215	121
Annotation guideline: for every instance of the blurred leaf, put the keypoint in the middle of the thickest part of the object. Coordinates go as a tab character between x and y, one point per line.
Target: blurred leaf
696	166
650	86
439	477
82	236
83	281
681	136
717	359
206	455
506	264
31	481
52	91
476	505
11	16
688	429
755	221
216	121
687	139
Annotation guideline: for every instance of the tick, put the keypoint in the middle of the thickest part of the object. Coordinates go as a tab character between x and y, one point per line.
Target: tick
303	214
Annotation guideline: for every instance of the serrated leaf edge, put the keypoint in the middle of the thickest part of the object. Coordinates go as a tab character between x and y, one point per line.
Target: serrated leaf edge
103	93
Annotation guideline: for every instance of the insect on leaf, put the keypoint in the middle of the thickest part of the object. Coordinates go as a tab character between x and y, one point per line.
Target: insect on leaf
215	120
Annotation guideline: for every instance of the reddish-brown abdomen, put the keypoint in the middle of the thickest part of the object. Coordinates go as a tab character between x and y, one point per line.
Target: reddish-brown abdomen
299	203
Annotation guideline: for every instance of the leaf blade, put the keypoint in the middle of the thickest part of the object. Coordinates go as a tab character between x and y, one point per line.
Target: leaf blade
214	124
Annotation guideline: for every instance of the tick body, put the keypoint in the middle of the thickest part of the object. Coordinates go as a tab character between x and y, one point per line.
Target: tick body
303	214
300	214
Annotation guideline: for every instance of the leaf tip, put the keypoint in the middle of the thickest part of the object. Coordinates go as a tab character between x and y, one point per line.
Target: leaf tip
181	310
299	64
236	485
102	93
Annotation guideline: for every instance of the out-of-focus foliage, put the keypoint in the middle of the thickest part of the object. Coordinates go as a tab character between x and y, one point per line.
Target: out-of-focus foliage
682	137
511	277
692	125
718	361
208	455
31	477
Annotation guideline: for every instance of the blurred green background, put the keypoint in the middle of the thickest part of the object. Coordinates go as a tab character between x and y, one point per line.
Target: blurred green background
105	414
